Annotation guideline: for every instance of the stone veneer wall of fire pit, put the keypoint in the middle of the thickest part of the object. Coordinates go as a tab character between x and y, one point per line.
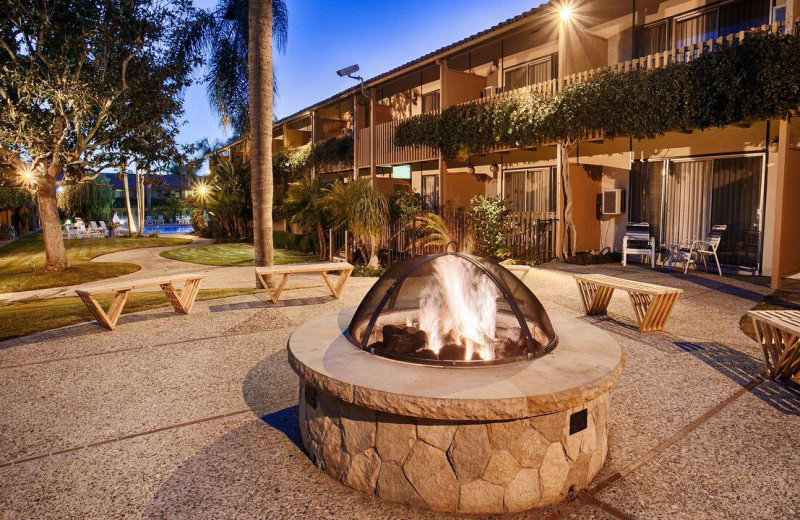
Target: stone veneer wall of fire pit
470	440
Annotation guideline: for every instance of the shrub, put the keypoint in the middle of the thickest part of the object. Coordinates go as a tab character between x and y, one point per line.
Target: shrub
489	226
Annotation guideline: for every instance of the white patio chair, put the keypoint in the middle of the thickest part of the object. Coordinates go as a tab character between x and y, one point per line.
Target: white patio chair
637	241
704	249
104	227
80	230
66	232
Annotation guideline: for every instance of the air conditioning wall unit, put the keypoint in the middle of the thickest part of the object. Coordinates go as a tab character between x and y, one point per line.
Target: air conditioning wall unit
613	202
489	91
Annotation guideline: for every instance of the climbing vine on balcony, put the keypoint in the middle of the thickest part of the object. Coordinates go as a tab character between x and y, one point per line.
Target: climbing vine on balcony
333	151
752	79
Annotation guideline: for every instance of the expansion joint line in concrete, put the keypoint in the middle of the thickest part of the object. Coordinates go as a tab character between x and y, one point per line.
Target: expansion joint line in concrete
124	438
683	432
589	497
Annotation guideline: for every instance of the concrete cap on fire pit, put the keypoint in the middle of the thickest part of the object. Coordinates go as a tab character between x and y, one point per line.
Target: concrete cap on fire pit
586	364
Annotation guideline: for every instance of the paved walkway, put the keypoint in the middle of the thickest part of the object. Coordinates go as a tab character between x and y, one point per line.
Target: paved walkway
152	264
195	416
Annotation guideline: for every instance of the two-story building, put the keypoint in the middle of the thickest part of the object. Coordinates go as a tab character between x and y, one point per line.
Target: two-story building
745	176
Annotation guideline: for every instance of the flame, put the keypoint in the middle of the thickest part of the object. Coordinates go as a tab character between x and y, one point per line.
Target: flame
460	303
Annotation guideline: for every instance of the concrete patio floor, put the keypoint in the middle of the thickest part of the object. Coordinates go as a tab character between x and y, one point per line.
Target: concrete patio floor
195	416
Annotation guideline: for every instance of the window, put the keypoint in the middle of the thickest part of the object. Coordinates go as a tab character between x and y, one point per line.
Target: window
430	192
530	74
530	190
430	102
651	39
722	20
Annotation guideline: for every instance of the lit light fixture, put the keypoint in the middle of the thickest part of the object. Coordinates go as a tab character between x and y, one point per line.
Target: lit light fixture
565	13
27	177
493	67
202	189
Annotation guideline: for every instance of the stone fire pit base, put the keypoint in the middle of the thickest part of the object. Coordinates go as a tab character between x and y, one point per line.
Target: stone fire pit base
470	440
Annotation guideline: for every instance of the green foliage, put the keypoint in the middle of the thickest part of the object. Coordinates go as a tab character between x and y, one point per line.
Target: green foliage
292	241
489	226
405	205
15	198
363	209
333	151
754	79
88	200
306	205
70	73
287	166
228	202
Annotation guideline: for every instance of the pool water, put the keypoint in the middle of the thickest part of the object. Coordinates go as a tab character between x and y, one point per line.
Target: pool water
168	229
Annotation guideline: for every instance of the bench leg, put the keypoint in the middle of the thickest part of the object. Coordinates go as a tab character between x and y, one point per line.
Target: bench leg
106	319
274	295
182	301
595	297
337	290
781	350
652	311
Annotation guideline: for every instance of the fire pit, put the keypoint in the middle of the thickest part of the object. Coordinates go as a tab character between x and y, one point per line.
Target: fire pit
445	390
452	309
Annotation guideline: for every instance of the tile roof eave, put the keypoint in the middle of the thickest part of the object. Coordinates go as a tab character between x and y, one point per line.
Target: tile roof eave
431	56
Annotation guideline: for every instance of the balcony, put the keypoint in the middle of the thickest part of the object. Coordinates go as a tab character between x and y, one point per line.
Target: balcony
386	153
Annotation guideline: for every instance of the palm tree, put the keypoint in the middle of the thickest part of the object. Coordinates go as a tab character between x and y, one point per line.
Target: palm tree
306	204
364	210
241	87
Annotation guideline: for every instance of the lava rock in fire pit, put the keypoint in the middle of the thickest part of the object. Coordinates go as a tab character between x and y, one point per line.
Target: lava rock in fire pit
403	341
425	353
452	352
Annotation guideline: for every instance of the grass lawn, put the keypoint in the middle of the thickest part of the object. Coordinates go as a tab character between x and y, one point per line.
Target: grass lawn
52	313
230	254
777	301
22	261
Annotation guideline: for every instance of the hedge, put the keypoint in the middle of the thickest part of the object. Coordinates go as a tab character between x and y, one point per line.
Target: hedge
752	79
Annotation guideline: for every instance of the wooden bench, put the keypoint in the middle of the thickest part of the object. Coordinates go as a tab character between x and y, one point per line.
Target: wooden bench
521	271
285	270
651	303
779	335
182	300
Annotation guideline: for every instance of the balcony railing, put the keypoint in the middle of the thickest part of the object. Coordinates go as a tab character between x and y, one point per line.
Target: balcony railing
387	153
679	55
362	147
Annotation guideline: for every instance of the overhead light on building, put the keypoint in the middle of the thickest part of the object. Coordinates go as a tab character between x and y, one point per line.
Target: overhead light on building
565	13
348	71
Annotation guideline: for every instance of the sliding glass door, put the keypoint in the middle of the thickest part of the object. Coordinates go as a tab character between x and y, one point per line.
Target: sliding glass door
530	190
646	195
736	202
696	194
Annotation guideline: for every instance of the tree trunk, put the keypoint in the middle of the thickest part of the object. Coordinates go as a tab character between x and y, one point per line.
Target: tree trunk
570	236
54	252
140	201
321	240
132	229
374	261
260	82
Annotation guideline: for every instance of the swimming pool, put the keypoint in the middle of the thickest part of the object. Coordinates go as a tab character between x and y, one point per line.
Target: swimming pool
168	229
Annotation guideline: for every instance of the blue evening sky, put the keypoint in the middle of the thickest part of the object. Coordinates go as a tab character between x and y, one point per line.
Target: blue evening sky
325	36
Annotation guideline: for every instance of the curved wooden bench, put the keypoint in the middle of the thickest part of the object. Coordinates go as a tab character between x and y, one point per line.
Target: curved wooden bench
182	301
779	335
284	271
651	303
